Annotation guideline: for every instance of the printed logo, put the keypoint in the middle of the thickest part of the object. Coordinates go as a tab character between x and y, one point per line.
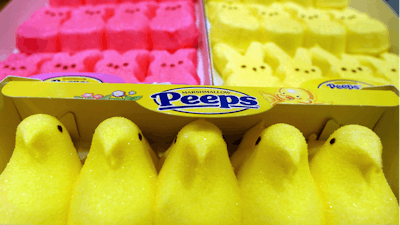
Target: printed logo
344	84
291	96
204	100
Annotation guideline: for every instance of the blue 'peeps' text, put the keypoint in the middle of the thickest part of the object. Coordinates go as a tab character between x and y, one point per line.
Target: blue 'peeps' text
166	101
344	86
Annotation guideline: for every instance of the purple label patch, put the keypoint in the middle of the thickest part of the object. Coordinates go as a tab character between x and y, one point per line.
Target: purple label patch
79	78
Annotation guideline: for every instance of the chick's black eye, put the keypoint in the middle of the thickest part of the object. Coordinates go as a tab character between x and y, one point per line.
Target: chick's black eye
258	140
140	136
175	140
60	128
332	141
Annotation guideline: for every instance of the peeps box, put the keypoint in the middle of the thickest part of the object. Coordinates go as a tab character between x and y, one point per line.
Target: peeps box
17	12
162	110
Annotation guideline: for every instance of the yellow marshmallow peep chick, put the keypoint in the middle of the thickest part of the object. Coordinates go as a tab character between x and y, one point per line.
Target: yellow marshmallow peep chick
118	181
314	145
36	186
245	146
348	173
197	184
275	180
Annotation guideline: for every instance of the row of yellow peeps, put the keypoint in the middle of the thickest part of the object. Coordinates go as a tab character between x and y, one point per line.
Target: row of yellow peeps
270	66
276	183
118	184
324	4
291	26
341	183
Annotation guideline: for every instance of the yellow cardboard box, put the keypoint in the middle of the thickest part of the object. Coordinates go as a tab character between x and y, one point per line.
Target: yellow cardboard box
162	110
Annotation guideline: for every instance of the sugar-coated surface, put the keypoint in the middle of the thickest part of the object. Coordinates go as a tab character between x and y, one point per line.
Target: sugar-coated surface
124	26
345	67
86	28
118	181
131	66
36	186
234	21
246	145
16	56
304	3
162	159
41	32
99	2
58	3
173	0
174	26
314	146
248	70
359	38
295	24
51	15
129	28
392	64
386	66
176	68
64	62
292	71
320	29
215	7
365	35
277	26
258	2
324	4
358	192
23	65
275	181
339	4
197	184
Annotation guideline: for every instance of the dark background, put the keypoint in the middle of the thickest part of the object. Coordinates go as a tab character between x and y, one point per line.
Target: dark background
3	3
394	4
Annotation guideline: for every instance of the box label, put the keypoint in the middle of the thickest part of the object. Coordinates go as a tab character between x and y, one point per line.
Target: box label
204	100
344	84
192	101
339	84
